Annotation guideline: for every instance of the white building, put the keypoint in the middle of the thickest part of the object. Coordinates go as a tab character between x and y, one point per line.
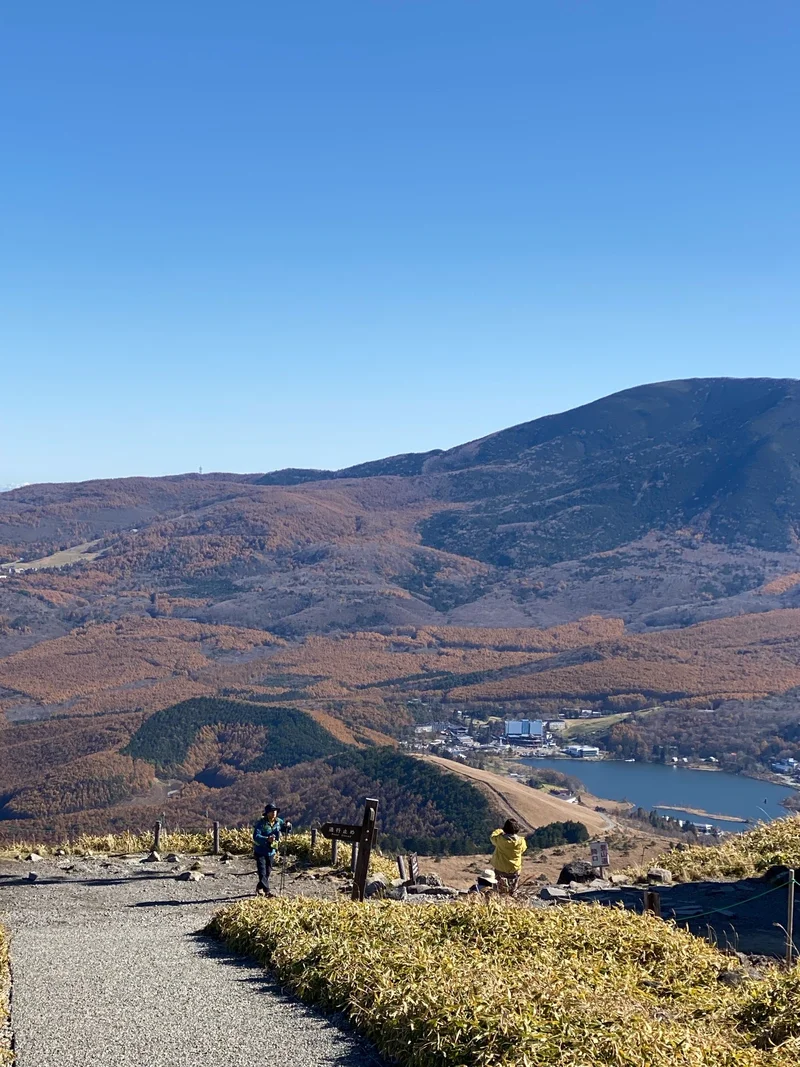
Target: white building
582	751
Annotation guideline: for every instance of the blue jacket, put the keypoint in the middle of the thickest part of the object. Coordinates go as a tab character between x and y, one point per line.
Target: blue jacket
266	836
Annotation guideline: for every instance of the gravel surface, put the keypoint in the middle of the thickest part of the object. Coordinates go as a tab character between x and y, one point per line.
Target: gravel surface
109	970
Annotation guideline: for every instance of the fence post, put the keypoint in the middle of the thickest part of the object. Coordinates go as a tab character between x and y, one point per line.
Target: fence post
402	867
334	851
157	838
354	857
652	902
216	839
314	832
790	920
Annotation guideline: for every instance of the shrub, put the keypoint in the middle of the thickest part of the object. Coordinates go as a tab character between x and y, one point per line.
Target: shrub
471	985
740	855
558	833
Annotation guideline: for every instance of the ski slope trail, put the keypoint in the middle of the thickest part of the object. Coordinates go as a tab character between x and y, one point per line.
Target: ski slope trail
109	970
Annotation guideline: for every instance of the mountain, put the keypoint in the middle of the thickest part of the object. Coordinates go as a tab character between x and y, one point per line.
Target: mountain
663	505
196	641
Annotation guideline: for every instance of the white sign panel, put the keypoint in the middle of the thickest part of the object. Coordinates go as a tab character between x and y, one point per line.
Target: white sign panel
599	853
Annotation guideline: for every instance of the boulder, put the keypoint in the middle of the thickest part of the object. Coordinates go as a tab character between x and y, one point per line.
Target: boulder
153	857
618	879
396	892
576	871
554	892
376	887
34	857
659	874
32	876
173	857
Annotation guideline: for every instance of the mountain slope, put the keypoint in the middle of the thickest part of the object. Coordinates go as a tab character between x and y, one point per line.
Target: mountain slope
663	505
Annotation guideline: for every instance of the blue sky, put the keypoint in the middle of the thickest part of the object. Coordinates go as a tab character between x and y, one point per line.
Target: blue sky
261	234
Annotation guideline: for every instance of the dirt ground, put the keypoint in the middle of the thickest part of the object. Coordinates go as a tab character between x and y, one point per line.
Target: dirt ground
627	848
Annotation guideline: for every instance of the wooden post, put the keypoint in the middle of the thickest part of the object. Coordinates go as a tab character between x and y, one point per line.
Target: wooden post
402	867
334	852
354	857
314	833
215	851
652	902
157	837
790	921
368	828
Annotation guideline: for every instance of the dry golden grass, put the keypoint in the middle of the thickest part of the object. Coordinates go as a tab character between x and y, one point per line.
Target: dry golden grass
470	985
740	855
238	842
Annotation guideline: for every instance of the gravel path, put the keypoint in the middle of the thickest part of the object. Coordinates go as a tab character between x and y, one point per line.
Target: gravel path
109	971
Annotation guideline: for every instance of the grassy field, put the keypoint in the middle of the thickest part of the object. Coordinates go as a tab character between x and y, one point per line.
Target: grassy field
78	554
532	807
476	985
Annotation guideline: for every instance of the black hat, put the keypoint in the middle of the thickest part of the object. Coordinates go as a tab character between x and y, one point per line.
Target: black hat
270	807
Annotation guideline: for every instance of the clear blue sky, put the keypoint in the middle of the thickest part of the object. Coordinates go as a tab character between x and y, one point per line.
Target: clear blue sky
259	234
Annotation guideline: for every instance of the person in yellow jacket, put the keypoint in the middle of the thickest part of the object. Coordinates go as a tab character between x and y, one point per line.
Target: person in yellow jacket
509	848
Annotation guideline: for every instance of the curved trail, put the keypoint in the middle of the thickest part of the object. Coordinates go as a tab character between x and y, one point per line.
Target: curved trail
109	971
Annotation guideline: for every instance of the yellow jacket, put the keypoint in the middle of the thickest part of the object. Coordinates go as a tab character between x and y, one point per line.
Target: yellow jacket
508	852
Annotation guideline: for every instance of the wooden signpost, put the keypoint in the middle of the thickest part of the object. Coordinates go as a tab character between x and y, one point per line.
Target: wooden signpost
362	838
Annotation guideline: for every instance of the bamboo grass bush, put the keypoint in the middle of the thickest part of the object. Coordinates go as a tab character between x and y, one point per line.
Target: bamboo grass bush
235	841
738	856
471	985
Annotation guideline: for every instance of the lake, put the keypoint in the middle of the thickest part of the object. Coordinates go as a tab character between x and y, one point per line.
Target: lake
672	790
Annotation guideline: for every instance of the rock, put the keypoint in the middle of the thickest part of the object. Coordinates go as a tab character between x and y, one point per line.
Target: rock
154	857
429	879
659	874
396	892
554	892
173	857
60	852
32	876
34	857
618	879
190	876
576	871
376	887
732	978
226	857
599	883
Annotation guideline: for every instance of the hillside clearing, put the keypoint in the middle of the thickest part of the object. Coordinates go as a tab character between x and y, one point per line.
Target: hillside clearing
533	807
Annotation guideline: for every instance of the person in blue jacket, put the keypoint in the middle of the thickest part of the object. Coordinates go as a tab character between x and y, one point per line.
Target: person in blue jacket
267	834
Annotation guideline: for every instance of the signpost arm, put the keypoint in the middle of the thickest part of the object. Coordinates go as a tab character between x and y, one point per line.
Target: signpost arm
365	848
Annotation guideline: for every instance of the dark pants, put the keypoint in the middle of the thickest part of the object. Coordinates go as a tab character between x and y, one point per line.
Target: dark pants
264	864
